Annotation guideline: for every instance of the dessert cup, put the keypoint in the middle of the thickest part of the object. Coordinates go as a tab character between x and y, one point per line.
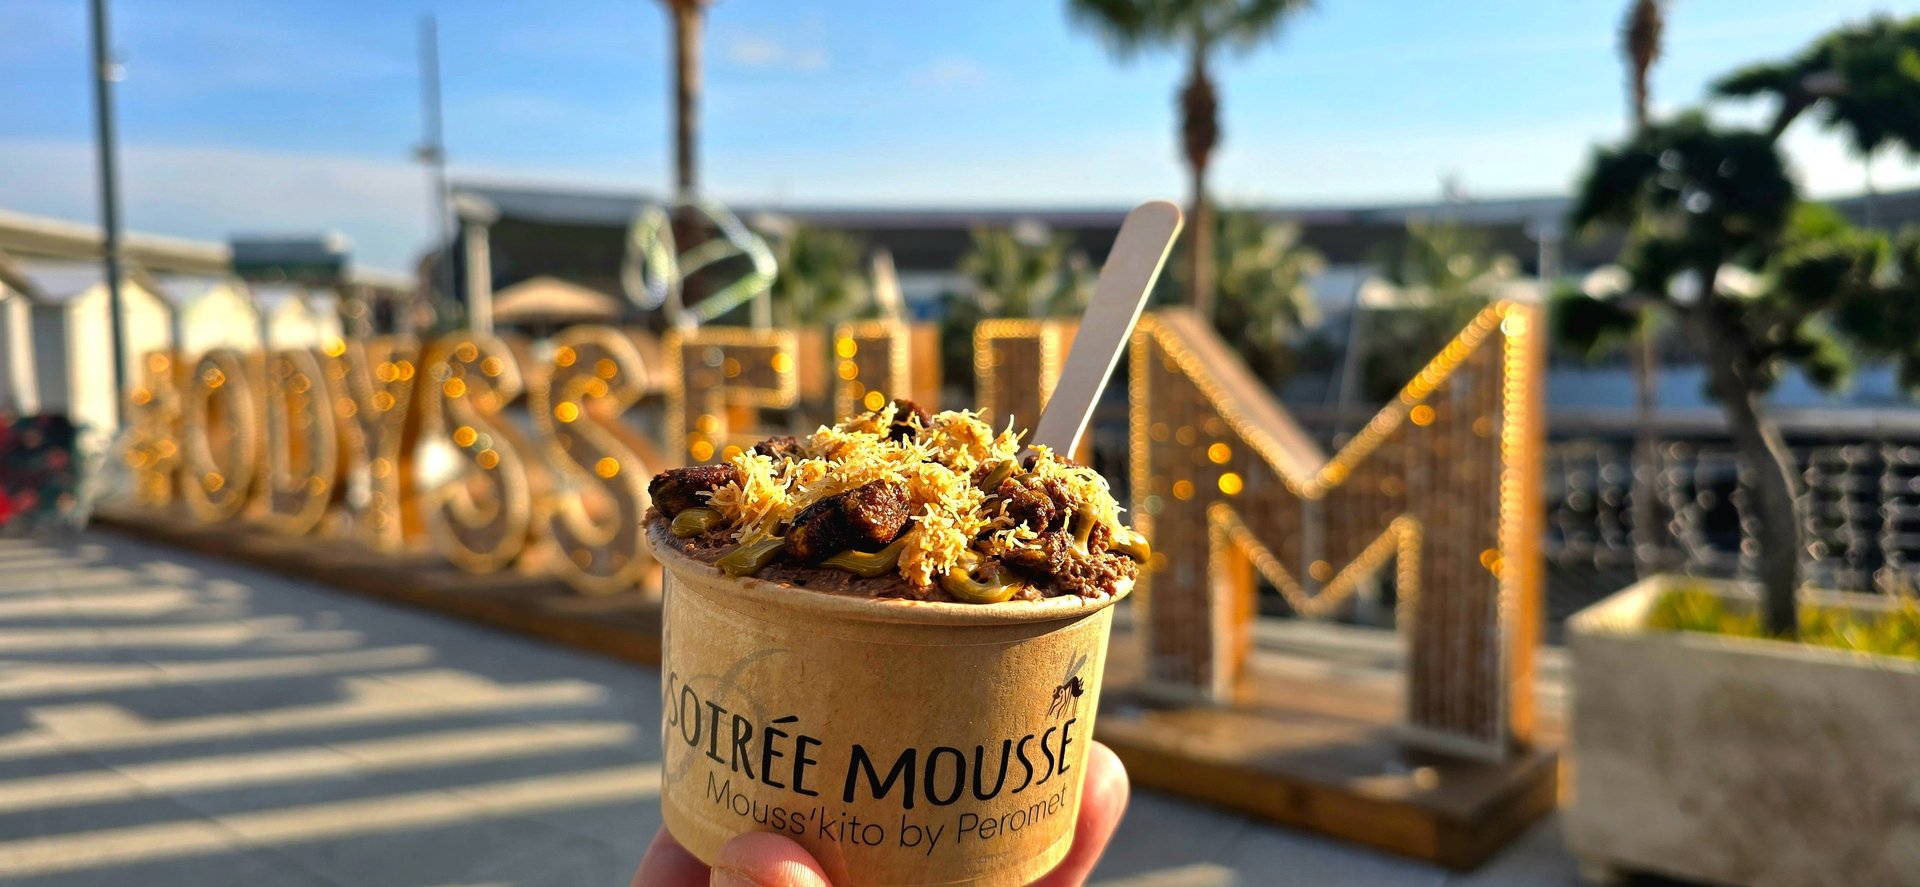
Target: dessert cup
901	742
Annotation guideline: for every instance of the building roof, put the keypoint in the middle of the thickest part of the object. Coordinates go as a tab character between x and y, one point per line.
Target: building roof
577	205
933	237
28	236
318	258
1887	211
56	280
151	260
554	205
580	205
13	279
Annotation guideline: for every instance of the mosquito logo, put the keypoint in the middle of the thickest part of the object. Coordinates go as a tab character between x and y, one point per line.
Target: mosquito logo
1070	688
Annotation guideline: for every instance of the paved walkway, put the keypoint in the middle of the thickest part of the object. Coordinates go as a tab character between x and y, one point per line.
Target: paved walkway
166	719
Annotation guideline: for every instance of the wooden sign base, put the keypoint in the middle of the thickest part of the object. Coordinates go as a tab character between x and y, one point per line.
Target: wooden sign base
1317	745
1300	749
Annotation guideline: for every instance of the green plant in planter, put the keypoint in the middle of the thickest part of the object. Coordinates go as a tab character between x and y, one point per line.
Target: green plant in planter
1895	632
1698	201
1698	610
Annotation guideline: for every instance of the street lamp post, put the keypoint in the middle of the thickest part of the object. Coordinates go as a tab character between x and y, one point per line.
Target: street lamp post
432	153
103	77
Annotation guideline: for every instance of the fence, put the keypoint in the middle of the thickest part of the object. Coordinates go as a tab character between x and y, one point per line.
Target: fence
1860	511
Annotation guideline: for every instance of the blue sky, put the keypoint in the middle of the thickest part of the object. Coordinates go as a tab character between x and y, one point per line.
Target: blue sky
297	116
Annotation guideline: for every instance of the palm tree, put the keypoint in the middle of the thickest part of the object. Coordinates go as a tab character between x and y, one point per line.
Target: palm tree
1640	39
820	281
1266	289
1698	201
1695	200
689	17
1200	27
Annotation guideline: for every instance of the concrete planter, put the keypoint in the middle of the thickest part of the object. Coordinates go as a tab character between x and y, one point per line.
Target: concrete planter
1740	761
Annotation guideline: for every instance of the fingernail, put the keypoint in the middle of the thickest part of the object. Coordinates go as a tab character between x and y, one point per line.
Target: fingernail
726	877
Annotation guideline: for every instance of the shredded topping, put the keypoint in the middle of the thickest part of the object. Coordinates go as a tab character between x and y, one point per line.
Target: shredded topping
979	519
759	497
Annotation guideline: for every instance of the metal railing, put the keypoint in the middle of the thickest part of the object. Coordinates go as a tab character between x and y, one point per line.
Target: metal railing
1860	511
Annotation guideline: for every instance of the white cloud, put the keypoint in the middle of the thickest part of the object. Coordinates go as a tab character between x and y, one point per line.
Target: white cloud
759	52
176	50
755	52
949	71
1544	157
212	193
620	32
1390	164
1827	167
526	108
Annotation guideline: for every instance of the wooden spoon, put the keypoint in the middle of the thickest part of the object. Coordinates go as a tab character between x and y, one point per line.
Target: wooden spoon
1139	252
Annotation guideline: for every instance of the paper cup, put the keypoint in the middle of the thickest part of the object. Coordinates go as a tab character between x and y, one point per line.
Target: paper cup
900	742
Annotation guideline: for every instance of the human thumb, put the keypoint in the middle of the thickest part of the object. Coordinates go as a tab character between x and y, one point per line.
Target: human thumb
764	859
